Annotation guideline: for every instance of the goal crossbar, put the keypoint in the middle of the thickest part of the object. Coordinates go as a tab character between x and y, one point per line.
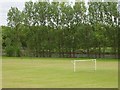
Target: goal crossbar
74	63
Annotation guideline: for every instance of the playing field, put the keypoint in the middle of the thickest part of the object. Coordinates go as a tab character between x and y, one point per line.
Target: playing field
58	73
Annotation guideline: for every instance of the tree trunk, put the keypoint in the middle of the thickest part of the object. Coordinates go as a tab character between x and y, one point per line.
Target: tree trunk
115	52
43	53
59	51
70	54
95	52
88	52
73	53
104	52
99	52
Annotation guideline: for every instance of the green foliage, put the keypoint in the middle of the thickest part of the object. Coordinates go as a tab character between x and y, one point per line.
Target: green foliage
12	51
9	51
44	28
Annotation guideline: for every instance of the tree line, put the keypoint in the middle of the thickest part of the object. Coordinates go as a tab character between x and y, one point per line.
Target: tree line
46	29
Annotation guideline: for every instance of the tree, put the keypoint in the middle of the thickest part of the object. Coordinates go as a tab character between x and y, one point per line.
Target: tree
44	28
15	21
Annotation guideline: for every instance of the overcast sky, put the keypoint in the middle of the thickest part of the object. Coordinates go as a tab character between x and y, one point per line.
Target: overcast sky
5	5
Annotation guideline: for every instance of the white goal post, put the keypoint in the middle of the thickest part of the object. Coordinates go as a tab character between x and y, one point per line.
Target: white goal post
74	63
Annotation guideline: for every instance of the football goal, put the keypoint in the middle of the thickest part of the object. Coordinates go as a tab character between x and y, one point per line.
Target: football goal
87	60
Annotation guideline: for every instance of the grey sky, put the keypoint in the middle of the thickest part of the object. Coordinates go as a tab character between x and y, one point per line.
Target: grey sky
6	5
4	8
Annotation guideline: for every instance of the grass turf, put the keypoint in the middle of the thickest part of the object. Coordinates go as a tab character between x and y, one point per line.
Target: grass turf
58	73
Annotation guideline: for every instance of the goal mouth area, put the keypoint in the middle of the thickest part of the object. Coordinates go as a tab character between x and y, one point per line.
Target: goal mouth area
88	60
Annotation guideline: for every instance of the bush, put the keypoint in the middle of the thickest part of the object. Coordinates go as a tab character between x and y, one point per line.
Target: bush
12	51
9	50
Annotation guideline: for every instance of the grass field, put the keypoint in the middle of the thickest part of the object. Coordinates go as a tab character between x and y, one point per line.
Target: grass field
58	73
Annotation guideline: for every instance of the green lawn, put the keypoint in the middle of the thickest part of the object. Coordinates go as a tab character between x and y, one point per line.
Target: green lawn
58	73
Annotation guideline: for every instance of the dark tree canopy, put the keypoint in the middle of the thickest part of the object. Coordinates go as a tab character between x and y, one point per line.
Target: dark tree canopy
44	29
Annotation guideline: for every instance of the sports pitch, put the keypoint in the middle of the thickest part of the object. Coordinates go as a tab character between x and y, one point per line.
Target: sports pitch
58	73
